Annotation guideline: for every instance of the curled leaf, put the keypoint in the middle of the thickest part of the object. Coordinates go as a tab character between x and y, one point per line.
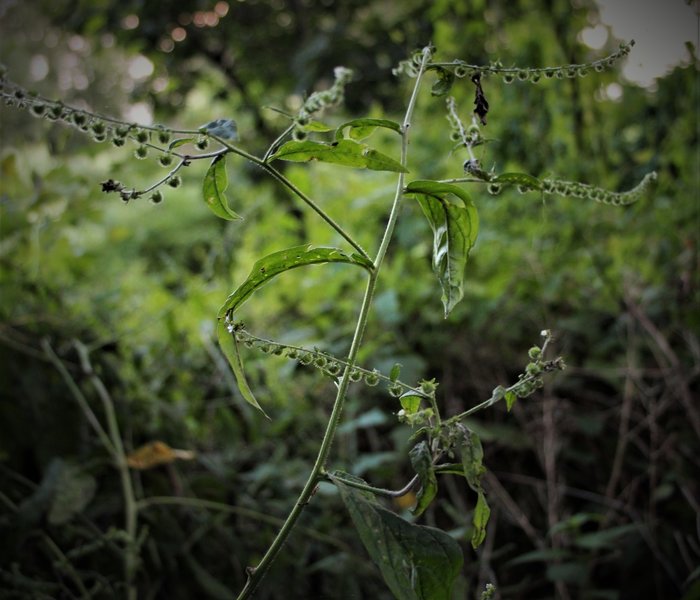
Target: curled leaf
362	128
213	188
422	462
276	263
229	346
455	227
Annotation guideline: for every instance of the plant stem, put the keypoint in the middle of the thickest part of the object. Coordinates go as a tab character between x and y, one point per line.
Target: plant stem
114	446
376	490
256	574
130	507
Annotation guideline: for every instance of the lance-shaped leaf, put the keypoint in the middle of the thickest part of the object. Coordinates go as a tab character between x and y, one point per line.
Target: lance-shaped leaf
278	262
229	346
417	562
422	462
480	519
472	462
342	152
455	227
363	128
213	188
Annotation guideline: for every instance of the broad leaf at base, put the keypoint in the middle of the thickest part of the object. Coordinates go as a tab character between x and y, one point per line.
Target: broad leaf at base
417	562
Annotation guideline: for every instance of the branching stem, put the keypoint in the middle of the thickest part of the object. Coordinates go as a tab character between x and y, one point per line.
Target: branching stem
316	475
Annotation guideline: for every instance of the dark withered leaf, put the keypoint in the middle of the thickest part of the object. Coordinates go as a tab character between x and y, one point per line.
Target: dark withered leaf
480	102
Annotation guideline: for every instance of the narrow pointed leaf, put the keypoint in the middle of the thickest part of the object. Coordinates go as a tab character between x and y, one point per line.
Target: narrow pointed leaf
417	562
455	223
278	262
480	519
510	399
229	346
363	128
422	463
343	152
213	188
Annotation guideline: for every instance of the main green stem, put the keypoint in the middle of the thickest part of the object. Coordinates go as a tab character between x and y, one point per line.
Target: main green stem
258	573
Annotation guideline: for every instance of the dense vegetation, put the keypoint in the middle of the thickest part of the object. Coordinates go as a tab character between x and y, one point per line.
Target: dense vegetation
591	481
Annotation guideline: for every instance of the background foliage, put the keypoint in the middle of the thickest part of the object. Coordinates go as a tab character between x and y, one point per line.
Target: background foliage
592	482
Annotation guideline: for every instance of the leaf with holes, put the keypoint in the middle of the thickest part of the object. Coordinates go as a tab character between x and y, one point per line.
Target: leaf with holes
417	562
455	223
348	153
276	263
213	188
521	179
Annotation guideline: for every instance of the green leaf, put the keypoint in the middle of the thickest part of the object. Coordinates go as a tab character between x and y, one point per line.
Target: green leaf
522	179
510	398
472	458
229	346
316	127
363	128
422	462
444	83
278	262
347	153
179	142
417	562
226	129
482	512
455	227
410	402
213	188
395	372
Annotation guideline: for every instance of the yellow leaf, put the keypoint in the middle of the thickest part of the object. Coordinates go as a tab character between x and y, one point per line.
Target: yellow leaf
156	453
406	501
